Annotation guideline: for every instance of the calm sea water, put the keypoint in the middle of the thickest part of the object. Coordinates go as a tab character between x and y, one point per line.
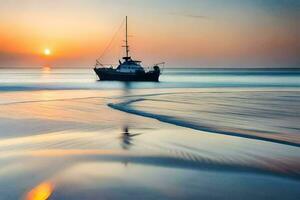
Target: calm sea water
198	133
23	79
260	104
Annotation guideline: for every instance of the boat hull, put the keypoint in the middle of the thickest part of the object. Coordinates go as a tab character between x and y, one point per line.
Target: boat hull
105	74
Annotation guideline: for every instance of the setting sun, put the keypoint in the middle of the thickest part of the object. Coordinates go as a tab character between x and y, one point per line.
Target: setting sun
47	52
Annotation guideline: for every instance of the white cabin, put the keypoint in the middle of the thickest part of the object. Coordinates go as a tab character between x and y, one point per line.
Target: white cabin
130	66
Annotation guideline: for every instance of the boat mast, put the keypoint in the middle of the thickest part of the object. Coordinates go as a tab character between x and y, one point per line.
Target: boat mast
127	47
126	58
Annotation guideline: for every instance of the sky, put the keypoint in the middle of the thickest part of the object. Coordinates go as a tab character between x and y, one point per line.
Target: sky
183	33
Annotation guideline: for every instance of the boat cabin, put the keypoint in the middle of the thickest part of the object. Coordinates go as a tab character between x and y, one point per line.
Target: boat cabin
130	66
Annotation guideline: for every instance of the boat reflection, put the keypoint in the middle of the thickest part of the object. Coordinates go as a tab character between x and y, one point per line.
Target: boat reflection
41	192
127	138
126	142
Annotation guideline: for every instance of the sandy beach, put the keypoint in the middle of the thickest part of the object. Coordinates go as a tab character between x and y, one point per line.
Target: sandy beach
82	144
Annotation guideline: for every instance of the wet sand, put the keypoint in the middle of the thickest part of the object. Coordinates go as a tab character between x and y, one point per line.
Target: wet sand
72	145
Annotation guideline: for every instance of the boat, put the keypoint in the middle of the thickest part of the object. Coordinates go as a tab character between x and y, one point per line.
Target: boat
128	70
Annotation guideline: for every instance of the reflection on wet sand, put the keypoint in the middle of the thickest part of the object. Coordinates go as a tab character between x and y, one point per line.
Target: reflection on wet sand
85	157
113	180
41	192
127	138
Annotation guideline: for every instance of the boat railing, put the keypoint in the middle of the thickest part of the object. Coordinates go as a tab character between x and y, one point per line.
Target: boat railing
146	69
104	65
162	64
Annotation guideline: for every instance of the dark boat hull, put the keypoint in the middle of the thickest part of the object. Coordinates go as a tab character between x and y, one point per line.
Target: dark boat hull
105	74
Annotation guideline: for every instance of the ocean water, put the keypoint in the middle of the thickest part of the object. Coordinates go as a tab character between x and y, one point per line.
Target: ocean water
59	79
198	133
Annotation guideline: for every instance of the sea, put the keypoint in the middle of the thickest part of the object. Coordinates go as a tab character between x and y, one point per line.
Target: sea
196	134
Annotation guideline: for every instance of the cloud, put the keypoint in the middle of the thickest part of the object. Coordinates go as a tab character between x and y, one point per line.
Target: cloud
194	16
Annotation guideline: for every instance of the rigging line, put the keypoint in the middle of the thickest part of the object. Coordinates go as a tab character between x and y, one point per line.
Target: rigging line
111	41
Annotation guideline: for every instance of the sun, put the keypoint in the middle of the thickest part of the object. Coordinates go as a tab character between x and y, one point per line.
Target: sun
47	52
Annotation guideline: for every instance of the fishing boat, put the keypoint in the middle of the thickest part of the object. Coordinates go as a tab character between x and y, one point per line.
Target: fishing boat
128	69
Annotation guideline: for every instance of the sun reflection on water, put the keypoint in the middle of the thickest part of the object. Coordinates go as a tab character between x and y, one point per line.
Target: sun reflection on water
46	69
41	192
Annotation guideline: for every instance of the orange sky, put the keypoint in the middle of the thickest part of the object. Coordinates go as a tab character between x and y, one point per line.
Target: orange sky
182	33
